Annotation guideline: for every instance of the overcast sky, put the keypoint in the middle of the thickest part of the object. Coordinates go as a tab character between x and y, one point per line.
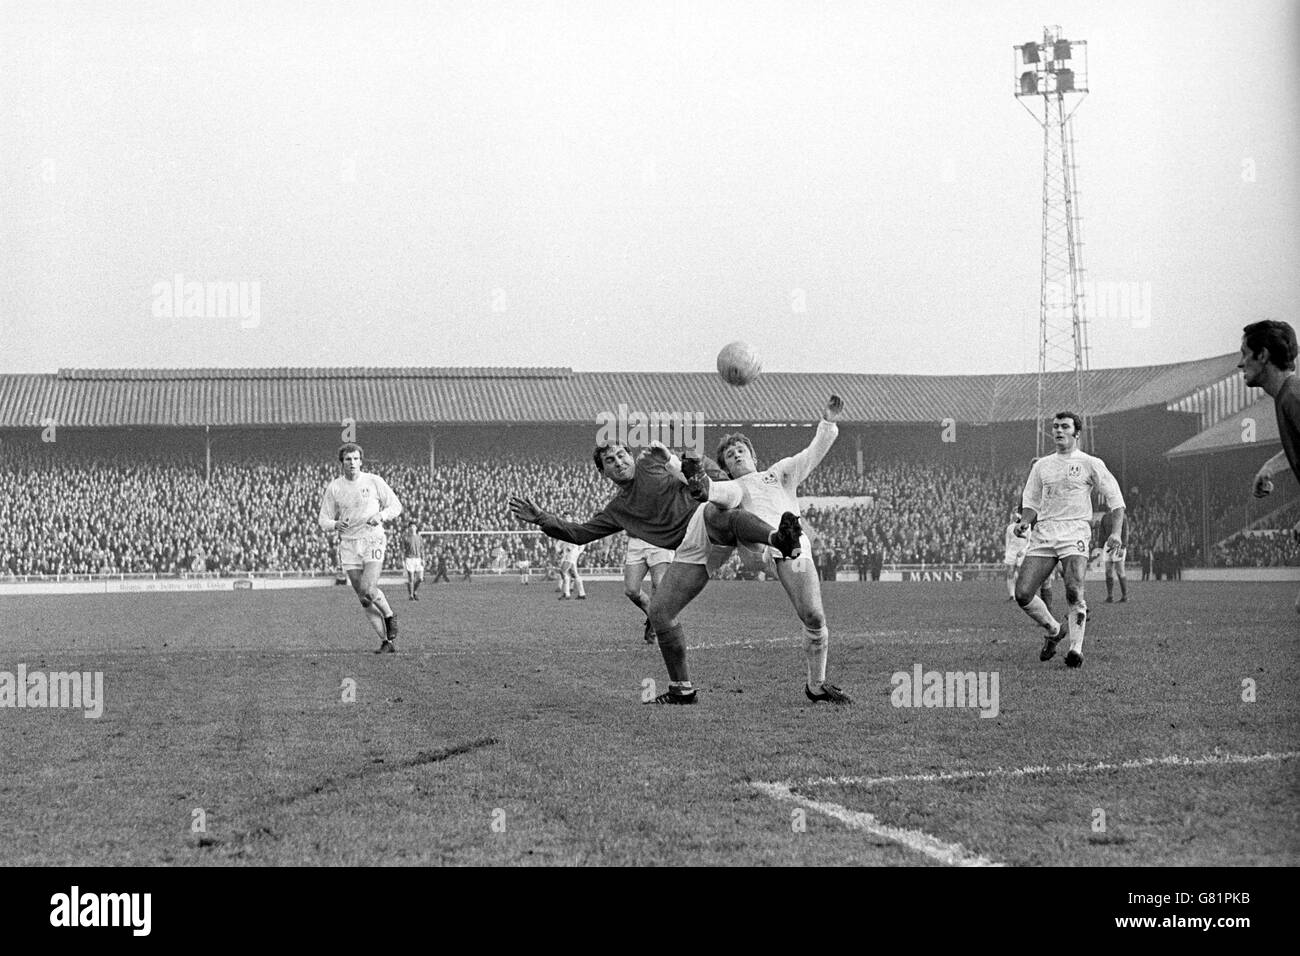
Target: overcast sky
628	185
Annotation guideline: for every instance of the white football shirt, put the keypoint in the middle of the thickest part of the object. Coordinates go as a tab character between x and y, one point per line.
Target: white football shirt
769	494
1060	487
353	503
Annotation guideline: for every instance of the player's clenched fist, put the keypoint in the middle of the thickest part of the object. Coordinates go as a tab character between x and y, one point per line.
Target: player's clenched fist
833	408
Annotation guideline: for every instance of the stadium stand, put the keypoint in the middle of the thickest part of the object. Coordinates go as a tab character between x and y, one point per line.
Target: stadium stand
172	471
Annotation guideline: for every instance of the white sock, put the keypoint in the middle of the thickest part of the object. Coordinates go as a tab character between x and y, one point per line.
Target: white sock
1078	619
564	582
582	591
1041	615
816	643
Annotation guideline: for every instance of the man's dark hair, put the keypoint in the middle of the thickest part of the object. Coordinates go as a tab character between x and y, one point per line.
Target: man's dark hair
735	438
1078	422
1276	338
349	448
598	455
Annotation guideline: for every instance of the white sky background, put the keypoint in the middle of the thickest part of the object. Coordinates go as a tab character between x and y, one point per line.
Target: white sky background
633	183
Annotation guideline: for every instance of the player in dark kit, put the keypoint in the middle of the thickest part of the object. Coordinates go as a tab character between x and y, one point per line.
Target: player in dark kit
654	504
1268	357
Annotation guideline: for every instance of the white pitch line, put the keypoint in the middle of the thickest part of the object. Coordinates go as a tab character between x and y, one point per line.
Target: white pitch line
953	854
1171	761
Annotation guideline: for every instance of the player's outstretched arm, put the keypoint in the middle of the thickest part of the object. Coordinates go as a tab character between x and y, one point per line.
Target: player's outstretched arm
601	524
800	466
524	510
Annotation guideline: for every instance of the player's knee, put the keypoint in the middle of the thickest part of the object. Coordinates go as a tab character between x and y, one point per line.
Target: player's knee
1074	596
813	620
367	597
632	594
1023	596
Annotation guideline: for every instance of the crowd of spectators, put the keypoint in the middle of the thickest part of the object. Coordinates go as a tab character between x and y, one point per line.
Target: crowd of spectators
1262	550
63	513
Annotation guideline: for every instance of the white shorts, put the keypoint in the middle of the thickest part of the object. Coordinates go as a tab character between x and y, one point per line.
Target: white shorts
523	565
568	565
696	548
1060	539
413	565
764	557
643	552
1013	559
356	553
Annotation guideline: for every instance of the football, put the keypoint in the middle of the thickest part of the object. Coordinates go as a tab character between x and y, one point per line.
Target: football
739	364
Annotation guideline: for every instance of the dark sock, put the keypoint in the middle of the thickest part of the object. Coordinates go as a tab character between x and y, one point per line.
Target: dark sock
1123	587
672	645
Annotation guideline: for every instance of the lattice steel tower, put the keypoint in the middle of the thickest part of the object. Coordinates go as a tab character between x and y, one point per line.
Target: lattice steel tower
1055	72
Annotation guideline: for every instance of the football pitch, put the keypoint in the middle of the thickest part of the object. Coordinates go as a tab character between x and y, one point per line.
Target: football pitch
257	728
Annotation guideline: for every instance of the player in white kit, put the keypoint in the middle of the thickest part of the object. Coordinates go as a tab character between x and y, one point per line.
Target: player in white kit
569	570
1057	506
768	494
1115	569
356	505
1013	553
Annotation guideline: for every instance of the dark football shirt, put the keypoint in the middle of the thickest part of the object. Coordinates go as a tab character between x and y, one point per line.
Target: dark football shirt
1287	403
654	506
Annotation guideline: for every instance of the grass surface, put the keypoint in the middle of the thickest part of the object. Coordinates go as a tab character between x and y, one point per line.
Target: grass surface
506	706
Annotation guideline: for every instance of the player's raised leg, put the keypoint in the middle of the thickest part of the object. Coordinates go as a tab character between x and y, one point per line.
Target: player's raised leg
1076	568
737	526
1034	570
805	593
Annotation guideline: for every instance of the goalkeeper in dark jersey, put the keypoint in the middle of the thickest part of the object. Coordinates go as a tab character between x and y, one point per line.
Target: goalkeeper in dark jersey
654	504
